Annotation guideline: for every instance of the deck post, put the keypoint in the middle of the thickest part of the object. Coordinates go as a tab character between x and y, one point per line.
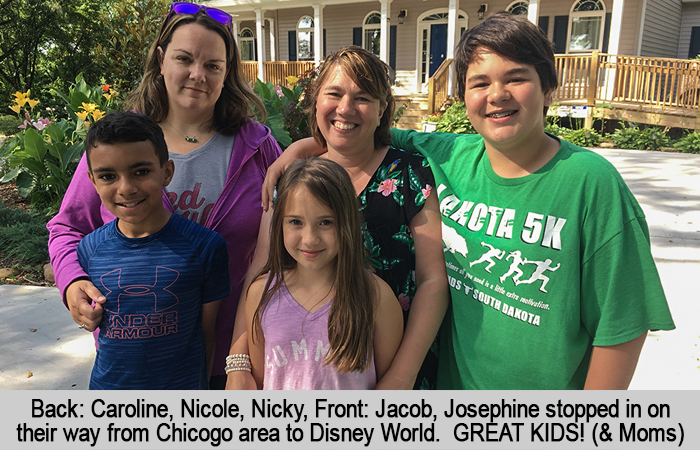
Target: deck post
593	67
431	95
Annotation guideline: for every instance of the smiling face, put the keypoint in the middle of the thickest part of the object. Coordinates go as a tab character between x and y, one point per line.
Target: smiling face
505	102
310	232
347	116
194	68
129	180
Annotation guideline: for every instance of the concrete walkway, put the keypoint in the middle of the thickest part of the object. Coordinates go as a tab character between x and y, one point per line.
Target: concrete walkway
667	185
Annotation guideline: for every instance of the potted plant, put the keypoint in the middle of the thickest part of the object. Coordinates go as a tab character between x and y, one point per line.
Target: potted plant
430	122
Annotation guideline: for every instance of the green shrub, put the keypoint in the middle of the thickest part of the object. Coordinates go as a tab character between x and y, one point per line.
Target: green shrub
9	124
555	129
455	120
690	143
635	137
582	137
23	238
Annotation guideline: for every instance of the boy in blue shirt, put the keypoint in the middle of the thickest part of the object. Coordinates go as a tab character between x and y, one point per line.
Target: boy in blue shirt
162	275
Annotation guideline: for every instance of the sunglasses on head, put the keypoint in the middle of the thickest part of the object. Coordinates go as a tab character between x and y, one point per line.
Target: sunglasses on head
180	8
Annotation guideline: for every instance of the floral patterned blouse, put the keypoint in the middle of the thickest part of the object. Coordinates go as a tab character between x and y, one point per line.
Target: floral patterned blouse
394	195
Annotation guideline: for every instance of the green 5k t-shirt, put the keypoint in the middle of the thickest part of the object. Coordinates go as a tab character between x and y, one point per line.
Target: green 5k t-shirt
541	268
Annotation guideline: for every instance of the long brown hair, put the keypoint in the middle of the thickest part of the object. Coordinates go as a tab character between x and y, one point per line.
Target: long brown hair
232	109
370	74
351	319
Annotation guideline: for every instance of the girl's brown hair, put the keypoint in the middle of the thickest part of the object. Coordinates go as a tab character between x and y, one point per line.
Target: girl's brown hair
370	74
351	318
232	109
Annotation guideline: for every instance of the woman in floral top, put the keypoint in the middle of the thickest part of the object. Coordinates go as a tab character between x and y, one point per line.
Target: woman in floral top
350	115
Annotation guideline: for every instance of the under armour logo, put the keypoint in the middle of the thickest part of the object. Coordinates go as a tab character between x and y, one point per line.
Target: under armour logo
162	298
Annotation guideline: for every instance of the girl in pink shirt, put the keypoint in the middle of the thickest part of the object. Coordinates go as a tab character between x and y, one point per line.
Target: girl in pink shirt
317	318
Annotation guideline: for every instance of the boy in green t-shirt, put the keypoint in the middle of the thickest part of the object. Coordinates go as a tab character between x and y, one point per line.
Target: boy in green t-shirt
552	280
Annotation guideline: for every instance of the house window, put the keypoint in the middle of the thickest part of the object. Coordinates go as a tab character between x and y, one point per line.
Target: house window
247	45
305	39
518	8
371	33
586	29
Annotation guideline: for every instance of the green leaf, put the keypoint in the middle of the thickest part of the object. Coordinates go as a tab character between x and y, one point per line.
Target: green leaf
11	175
25	184
398	197
36	167
73	153
77	99
34	144
55	170
289	94
262	90
55	133
414	180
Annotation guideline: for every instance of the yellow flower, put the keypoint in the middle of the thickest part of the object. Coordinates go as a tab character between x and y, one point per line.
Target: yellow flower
82	115
32	103
97	115
16	108
107	96
292	80
89	107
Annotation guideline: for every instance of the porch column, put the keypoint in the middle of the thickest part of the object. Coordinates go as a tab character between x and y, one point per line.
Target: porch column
273	52
452	22
533	11
318	34
259	27
384	31
616	27
236	37
614	45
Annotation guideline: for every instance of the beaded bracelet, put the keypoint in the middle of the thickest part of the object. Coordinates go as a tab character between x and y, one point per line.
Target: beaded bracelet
238	362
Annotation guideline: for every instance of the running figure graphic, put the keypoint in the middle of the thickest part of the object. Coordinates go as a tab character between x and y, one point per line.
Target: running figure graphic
488	256
517	260
538	273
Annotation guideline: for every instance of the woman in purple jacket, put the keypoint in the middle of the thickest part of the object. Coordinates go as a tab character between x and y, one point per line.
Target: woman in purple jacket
193	87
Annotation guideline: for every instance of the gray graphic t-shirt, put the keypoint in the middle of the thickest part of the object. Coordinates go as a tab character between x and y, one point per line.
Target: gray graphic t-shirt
199	178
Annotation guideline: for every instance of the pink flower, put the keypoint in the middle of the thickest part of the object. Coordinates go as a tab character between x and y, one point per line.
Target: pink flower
405	301
41	123
387	187
426	192
278	90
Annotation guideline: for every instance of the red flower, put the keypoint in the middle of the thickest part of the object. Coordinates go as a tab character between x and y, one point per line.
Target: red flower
105	87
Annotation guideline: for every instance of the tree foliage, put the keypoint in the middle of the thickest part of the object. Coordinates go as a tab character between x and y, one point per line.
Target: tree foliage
45	41
133	26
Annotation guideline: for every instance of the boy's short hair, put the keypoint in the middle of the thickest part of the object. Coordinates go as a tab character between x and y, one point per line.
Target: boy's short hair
512	37
126	126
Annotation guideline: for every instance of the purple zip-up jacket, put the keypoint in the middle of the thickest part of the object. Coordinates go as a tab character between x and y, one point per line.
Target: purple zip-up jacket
236	216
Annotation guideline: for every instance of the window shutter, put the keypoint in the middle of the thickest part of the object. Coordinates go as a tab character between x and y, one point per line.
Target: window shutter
694	48
543	23
323	54
292	34
357	36
392	47
561	25
606	32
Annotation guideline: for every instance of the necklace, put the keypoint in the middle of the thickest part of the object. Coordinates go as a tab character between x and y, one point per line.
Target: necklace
192	139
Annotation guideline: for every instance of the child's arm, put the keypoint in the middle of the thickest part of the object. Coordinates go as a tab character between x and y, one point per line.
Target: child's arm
303	148
429	303
257	348
612	367
388	328
239	342
209	313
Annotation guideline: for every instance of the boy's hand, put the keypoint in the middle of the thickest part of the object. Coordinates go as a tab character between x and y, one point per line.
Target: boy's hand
80	296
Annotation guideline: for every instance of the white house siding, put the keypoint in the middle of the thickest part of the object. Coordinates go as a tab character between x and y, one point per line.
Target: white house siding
631	21
691	18
662	28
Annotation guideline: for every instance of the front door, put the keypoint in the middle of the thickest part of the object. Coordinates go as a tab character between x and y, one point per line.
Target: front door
438	46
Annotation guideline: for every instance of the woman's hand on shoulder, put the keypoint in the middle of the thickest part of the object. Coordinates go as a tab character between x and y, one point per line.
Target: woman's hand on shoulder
302	148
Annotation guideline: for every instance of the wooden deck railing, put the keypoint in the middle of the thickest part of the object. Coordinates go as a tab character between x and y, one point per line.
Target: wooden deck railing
276	71
438	86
